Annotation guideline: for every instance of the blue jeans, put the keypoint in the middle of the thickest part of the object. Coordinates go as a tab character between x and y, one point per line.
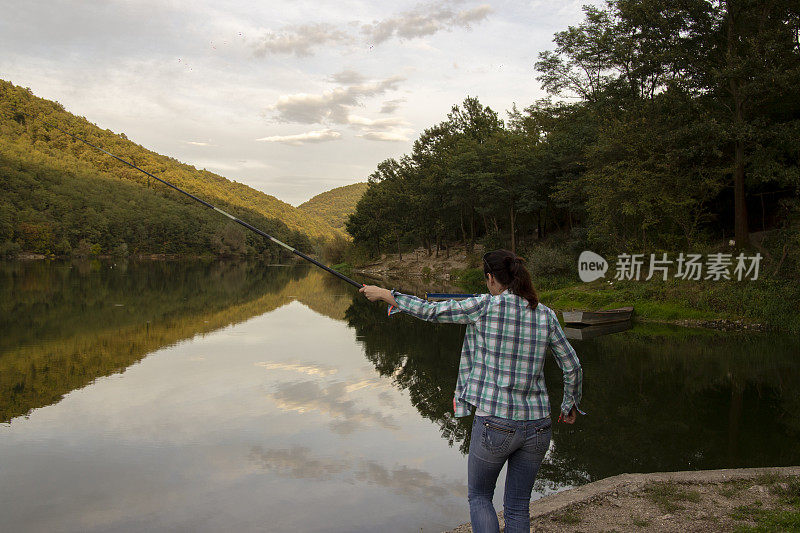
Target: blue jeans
523	443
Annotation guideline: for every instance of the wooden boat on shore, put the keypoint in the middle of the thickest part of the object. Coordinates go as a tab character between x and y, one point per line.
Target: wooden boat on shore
582	333
591	318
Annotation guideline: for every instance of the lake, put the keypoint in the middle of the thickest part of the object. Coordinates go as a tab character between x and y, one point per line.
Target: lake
237	396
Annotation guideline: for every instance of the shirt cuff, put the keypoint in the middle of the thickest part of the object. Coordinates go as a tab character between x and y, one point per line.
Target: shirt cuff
393	309
462	408
566	407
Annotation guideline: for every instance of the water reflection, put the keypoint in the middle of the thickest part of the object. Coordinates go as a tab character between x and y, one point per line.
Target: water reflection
299	462
420	357
64	325
273	421
658	397
333	400
279	398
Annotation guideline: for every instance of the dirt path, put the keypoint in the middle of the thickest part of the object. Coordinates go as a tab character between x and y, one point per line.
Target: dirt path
750	499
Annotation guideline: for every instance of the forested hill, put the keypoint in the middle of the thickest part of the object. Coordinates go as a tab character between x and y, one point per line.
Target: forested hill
336	205
60	195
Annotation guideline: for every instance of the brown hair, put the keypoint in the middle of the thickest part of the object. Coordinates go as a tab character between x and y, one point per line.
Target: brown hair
509	271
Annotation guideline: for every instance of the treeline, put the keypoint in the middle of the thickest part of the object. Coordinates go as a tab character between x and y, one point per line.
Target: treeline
60	196
675	124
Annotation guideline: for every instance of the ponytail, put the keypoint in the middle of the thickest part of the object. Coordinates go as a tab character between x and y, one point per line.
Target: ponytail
510	271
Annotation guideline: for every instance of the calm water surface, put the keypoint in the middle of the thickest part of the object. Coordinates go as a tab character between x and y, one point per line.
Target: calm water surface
242	397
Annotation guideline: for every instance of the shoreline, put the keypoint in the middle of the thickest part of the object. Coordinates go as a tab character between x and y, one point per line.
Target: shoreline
720	500
416	269
659	303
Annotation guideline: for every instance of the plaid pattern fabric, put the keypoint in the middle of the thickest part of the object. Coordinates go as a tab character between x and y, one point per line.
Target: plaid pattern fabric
502	359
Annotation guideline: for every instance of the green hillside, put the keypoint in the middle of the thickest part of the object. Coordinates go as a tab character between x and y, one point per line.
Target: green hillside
59	194
335	205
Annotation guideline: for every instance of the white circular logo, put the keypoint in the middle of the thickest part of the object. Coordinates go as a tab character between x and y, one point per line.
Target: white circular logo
591	266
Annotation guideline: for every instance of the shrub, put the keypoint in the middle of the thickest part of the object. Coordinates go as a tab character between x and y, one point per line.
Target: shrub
547	260
8	249
333	250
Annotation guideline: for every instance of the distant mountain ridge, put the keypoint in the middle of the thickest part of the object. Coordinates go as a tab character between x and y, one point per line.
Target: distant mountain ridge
50	181
335	205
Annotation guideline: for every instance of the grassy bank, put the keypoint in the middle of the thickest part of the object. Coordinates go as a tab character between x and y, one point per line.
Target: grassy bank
773	303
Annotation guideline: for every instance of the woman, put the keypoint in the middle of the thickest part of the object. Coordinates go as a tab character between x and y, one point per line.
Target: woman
501	375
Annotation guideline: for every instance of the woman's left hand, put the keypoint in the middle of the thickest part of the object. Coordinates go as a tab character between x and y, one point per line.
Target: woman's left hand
571	416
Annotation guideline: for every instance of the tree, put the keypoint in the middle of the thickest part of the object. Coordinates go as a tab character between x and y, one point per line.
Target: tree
738	58
749	76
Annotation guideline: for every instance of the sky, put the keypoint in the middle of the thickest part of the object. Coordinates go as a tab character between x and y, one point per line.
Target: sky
291	98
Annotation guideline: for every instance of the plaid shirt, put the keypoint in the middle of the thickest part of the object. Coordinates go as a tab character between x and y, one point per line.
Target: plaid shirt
502	358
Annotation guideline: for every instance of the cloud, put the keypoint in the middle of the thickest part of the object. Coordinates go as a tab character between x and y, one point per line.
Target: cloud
385	136
198	143
304	40
316	136
376	124
300	40
390	106
348	77
423	21
330	106
227	165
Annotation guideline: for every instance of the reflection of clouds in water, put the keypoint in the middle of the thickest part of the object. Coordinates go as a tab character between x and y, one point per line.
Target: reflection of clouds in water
364	384
412	482
331	400
298	463
386	399
308	368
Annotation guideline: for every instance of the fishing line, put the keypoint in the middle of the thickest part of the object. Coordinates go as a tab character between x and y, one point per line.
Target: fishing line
218	210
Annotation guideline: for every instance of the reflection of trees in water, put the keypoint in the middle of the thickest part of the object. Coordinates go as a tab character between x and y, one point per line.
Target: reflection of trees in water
422	357
682	403
671	401
64	325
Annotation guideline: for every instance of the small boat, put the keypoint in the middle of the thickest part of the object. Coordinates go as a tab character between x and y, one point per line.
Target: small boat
582	333
598	317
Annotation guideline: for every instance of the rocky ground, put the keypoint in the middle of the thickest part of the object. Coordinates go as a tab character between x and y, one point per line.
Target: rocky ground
717	500
418	264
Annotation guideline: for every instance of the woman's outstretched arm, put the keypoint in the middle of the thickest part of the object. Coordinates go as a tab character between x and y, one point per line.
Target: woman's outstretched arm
465	311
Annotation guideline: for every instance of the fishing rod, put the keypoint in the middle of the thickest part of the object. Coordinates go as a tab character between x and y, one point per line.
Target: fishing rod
217	209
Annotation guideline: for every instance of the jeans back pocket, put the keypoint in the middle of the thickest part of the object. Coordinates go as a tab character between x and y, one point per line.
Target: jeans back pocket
496	438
